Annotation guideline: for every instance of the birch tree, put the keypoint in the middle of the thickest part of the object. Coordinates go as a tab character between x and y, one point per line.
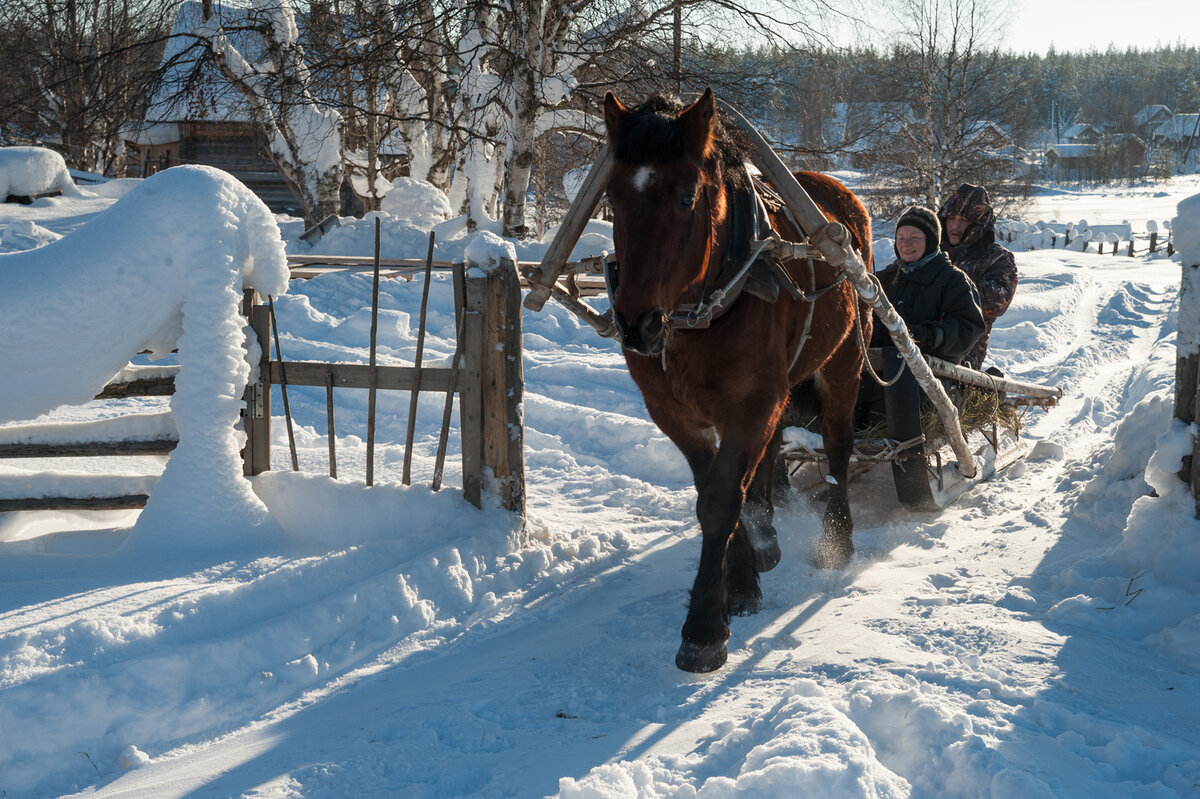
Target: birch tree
304	137
952	79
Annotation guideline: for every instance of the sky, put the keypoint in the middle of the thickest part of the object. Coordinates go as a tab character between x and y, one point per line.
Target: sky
1077	25
1073	25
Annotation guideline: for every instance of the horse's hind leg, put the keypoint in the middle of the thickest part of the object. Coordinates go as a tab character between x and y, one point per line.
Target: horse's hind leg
839	389
758	514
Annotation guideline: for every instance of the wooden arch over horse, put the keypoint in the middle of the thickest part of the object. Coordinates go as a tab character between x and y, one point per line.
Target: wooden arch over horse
719	391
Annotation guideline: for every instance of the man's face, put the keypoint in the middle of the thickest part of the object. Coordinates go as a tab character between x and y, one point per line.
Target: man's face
955	227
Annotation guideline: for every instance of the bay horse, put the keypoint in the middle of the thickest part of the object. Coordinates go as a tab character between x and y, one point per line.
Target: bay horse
719	392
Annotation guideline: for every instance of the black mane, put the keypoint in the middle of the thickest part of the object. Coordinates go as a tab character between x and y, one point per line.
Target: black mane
650	135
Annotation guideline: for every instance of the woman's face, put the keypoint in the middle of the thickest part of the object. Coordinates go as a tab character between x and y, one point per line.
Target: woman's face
910	243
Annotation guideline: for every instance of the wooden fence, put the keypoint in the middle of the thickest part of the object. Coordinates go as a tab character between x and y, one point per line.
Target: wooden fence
485	377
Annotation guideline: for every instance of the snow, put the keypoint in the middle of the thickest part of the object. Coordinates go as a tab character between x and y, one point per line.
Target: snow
314	637
29	171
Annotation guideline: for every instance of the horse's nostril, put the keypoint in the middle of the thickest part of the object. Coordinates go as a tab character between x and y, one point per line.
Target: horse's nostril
651	325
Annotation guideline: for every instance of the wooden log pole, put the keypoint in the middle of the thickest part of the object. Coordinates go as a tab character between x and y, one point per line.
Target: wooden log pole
416	392
493	393
543	278
374	376
287	408
833	240
329	424
503	388
455	366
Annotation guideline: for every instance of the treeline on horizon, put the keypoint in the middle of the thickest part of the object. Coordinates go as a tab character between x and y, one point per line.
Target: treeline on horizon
1058	88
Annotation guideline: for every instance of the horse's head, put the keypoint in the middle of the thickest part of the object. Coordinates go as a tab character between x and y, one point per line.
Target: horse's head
667	195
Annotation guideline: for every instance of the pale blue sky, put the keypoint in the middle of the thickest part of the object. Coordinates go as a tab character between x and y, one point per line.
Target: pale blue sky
1072	25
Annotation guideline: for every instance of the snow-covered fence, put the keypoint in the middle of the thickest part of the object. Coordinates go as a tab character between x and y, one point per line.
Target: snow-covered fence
1081	235
1186	230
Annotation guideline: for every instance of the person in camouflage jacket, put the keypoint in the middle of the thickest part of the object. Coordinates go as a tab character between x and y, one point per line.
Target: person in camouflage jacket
969	236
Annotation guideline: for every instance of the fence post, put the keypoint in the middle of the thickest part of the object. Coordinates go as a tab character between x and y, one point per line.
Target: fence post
256	416
493	424
1187	363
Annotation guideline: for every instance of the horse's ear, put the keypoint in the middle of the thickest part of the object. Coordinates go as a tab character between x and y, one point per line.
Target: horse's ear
614	113
697	121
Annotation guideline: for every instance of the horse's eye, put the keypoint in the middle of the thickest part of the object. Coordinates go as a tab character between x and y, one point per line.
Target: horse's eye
686	198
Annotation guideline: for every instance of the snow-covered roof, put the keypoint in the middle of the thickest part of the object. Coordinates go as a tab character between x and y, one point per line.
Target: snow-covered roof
1149	113
192	88
1079	129
1070	150
1177	128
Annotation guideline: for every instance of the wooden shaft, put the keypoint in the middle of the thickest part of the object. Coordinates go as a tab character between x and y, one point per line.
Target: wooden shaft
833	240
541	288
972	377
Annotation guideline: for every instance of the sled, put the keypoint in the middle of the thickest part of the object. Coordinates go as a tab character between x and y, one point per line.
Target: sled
925	475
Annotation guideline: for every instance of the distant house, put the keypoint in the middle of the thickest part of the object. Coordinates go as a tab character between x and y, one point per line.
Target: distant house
196	117
860	130
1115	155
1177	131
1081	133
1149	117
987	134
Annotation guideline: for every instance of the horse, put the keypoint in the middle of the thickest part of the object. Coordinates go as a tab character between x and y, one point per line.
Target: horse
716	374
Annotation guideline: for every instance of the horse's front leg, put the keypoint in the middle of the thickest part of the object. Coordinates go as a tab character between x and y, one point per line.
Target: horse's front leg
721	496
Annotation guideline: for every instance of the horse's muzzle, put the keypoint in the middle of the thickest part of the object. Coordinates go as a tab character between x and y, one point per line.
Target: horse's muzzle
648	336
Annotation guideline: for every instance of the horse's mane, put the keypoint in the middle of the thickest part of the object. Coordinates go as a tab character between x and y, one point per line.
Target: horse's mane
649	135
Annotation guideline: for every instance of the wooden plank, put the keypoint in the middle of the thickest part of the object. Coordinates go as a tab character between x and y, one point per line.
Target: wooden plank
145	387
329	424
358	375
89	449
126	502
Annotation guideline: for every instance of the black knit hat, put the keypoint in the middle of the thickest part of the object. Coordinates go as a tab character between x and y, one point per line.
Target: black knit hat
925	221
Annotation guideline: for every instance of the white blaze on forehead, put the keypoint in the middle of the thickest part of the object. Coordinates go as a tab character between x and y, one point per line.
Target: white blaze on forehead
643	178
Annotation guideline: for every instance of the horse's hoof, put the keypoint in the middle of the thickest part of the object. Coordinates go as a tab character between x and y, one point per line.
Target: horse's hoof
745	604
765	543
700	659
832	553
768	556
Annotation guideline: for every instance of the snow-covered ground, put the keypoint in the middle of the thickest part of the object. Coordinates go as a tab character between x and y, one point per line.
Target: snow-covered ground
1039	638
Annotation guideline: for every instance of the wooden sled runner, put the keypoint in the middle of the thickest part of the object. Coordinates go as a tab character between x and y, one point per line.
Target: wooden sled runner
828	241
